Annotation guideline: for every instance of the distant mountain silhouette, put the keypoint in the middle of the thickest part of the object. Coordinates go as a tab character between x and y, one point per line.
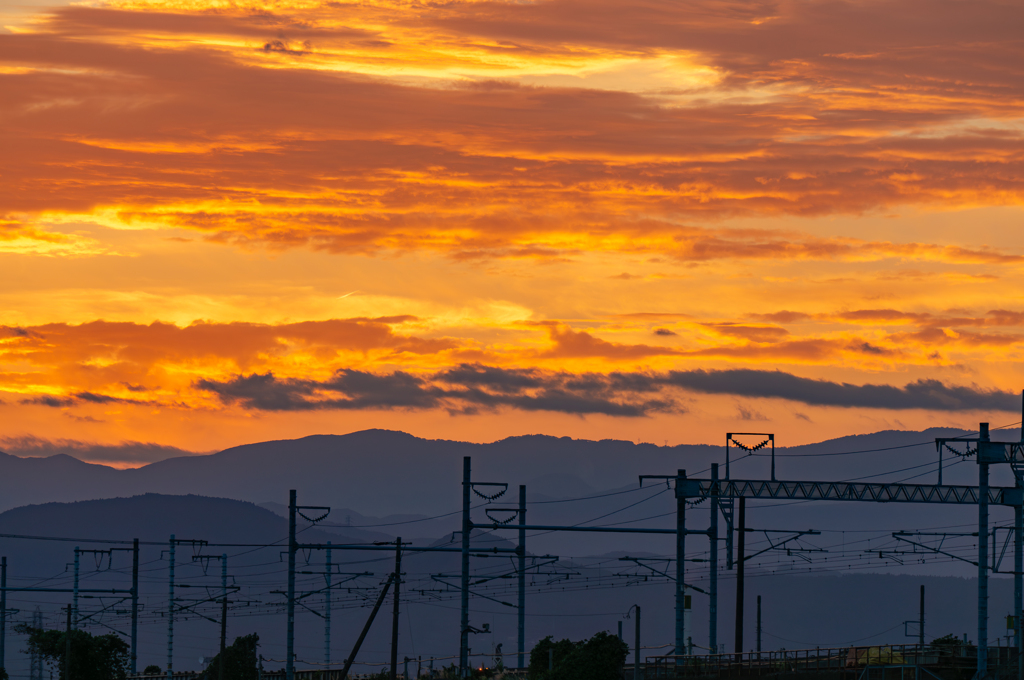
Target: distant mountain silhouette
383	473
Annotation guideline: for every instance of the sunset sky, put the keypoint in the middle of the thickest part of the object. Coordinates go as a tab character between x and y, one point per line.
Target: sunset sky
230	221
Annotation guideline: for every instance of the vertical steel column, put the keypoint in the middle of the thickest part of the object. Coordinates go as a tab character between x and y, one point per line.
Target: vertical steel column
396	609
920	632
758	626
3	612
223	610
522	577
74	597
1018	590
982	560
67	646
289	662
680	563
170	611
327	611
713	586
740	556
636	646
466	527
135	607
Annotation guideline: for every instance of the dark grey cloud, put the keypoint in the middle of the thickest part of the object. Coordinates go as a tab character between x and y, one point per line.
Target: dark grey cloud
925	394
470	388
129	452
77	399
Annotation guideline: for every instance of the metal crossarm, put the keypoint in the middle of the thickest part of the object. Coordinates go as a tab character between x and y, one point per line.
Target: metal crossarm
988	451
848	491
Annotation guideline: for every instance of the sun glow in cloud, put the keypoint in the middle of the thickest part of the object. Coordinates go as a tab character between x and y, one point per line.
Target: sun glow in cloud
540	216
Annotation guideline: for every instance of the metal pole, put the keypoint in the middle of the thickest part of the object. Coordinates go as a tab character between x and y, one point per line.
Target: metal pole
464	619
620	630
67	646
680	564
521	624
713	586
636	646
1018	582
170	611
3	612
740	552
135	606
758	626
223	610
289	662
327	612
395	609
982	561
920	632
74	597
366	628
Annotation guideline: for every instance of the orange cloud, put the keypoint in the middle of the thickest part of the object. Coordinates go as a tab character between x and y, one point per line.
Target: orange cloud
250	140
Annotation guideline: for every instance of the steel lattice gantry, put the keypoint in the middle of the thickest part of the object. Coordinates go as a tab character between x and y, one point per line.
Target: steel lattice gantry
849	491
983	495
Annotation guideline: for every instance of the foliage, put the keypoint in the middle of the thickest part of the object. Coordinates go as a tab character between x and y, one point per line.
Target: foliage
599	658
946	641
449	672
153	669
93	657
3	674
239	661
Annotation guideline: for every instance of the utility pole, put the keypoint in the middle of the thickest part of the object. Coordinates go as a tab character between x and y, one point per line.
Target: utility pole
680	565
982	558
74	597
713	585
1018	560
67	646
3	611
740	558
464	618
35	671
397	604
759	627
327	610
170	610
170	597
920	627
636	646
289	663
223	610
521	549
135	606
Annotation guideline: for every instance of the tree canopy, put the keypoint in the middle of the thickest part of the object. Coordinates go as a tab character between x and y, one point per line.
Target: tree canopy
599	658
93	657
240	660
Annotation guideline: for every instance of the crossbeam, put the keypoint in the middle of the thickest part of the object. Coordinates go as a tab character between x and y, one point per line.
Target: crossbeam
847	491
988	451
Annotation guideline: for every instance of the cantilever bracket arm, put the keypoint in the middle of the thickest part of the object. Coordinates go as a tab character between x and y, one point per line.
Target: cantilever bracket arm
899	537
638	561
780	544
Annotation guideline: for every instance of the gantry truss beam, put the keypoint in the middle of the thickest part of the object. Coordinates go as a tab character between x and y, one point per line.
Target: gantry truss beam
847	491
